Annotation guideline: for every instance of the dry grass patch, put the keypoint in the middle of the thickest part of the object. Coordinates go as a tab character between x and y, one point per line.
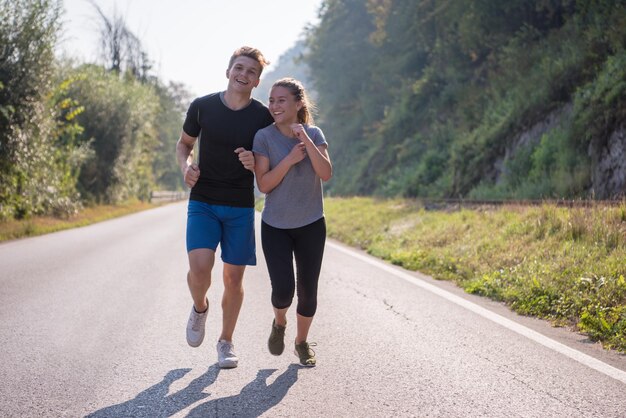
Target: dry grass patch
14	229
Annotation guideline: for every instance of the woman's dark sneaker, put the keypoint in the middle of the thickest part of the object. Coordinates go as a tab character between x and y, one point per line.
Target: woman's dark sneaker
305	354
276	342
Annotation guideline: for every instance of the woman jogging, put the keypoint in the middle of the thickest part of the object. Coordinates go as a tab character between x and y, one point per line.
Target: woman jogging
291	161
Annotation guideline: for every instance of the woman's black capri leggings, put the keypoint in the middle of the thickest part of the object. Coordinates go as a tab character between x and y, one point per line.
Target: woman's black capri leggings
306	245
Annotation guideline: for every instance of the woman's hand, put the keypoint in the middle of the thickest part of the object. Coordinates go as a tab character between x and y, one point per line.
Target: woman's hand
300	133
297	154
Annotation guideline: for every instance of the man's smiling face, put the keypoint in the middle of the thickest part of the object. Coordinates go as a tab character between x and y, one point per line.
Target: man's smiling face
244	74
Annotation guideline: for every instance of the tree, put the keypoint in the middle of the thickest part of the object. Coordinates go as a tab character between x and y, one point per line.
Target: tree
174	99
340	55
121	49
33	170
119	119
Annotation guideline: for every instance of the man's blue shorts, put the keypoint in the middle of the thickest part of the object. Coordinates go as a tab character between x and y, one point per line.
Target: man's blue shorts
230	227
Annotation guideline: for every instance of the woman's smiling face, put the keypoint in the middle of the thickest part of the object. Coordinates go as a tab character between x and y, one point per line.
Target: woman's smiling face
283	106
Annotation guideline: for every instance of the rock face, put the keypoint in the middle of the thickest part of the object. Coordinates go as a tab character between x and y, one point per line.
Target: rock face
532	136
608	176
607	155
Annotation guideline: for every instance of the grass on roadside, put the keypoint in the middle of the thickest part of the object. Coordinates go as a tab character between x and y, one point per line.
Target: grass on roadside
567	265
23	228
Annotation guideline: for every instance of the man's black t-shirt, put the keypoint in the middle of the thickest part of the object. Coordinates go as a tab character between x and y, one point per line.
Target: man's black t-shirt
220	131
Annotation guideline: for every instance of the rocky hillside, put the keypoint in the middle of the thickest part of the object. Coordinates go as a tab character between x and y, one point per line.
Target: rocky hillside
473	99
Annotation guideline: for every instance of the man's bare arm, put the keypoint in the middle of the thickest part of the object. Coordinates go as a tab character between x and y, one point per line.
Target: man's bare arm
184	148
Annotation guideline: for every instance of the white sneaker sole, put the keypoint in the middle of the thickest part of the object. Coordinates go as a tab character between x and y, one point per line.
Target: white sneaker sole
228	364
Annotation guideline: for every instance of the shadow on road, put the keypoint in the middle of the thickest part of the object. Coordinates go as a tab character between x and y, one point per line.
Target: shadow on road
254	399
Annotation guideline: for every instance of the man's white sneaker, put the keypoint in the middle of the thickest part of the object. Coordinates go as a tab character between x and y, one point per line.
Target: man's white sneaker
195	326
226	357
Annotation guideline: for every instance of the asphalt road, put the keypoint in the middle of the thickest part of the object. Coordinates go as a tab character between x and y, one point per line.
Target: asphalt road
92	323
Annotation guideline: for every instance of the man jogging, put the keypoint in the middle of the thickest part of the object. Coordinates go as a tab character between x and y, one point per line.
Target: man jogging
221	203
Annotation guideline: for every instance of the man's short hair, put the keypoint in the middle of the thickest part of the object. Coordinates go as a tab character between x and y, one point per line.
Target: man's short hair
247	51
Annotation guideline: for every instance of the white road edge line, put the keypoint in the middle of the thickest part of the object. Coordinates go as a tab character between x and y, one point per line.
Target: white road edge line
498	319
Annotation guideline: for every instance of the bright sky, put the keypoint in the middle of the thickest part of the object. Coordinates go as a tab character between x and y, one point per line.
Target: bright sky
191	41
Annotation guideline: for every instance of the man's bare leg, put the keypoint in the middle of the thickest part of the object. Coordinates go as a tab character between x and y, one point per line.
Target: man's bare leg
232	299
201	262
199	280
